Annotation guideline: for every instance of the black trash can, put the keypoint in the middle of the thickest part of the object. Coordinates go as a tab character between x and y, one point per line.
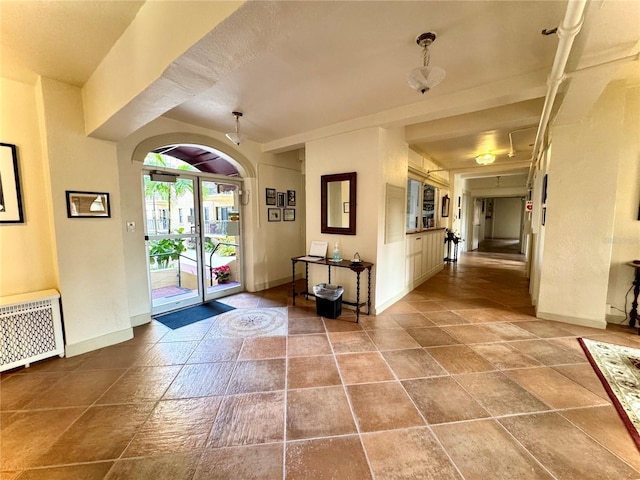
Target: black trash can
328	300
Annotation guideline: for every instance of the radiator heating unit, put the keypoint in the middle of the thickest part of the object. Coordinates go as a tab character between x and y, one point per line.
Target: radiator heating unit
30	328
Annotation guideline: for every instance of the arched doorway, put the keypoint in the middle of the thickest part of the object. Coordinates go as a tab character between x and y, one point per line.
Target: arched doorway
193	234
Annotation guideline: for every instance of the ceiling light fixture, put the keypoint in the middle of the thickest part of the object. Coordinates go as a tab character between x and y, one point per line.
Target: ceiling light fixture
236	137
485	159
424	78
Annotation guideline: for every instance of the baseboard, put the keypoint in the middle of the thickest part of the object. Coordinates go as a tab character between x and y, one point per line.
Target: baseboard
616	319
585	322
141	319
98	342
382	307
378	309
274	283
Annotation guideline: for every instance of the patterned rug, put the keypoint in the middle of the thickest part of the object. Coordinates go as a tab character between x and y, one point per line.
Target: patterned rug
251	322
619	370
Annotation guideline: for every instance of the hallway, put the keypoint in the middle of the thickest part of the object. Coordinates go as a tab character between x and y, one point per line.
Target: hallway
456	380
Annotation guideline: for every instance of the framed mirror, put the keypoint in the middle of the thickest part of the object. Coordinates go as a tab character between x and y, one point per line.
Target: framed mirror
338	203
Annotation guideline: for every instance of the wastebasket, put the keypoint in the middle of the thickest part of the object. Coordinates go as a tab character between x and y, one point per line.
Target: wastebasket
328	300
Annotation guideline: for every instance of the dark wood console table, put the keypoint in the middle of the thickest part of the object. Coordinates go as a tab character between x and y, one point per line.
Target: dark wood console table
358	268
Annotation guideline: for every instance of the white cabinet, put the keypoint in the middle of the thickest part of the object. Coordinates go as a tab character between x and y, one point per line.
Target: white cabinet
424	256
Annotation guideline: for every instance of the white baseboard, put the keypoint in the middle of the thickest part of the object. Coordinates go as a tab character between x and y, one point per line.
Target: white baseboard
98	342
274	283
585	322
378	309
141	319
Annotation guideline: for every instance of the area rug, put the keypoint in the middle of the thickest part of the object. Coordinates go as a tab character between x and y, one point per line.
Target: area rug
619	370
191	315
251	322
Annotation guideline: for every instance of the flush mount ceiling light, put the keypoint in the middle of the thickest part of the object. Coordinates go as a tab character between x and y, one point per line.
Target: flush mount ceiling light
424	78
236	137
485	159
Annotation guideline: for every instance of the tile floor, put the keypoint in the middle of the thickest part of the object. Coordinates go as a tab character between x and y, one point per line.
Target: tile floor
457	380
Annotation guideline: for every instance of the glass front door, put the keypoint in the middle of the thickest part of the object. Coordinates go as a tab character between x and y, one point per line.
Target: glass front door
220	210
173	244
193	240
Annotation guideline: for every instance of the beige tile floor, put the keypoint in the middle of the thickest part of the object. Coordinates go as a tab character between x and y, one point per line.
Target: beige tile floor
457	380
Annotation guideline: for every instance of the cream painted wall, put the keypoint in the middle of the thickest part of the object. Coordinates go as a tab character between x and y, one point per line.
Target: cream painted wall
394	161
583	177
277	242
27	260
378	156
358	152
89	251
626	234
507	215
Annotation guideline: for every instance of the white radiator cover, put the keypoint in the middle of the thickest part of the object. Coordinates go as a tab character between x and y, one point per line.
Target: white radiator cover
30	328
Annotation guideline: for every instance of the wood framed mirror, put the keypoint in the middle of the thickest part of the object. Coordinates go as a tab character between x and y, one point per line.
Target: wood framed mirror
338	203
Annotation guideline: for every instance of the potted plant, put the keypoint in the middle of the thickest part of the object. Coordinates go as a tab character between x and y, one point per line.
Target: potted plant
222	273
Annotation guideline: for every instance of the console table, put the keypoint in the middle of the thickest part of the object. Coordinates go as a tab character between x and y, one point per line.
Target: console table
358	268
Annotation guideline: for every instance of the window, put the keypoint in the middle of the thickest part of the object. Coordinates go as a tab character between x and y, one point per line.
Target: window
422	204
413	203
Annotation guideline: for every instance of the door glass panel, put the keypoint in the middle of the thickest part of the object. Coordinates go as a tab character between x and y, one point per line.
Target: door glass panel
221	233
429	206
172	243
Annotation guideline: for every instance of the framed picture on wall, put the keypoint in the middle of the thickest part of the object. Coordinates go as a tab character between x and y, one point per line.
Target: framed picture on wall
10	197
446	203
273	214
289	214
281	199
88	204
270	196
291	198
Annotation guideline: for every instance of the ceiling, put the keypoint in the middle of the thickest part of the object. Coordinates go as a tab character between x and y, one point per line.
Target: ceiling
303	70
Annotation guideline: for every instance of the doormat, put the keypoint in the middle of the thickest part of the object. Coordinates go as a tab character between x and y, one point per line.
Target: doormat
191	315
618	368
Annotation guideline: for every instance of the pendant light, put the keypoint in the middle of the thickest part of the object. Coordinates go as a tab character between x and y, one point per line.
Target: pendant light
236	137
424	78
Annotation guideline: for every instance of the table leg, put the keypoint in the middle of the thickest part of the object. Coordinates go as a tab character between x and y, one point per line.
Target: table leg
293	282
306	280
369	291
358	296
633	315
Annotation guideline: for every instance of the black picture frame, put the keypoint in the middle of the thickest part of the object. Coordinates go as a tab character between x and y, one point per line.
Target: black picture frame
10	193
446	203
274	215
281	199
88	204
270	196
291	198
289	214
